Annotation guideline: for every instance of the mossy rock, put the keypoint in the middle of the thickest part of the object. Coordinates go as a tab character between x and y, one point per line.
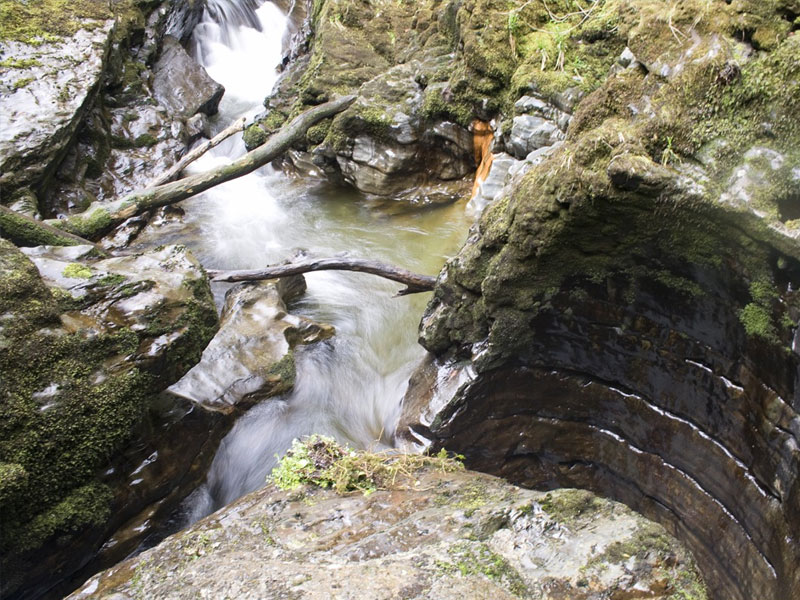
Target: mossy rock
72	399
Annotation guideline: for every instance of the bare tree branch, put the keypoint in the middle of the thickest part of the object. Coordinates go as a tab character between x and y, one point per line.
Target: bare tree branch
172	173
415	283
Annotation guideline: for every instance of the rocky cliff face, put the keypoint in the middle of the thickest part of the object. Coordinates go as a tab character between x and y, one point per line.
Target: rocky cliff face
626	315
97	100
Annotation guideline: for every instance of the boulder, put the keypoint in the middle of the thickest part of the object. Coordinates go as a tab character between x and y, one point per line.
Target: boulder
46	91
531	132
251	356
434	532
182	85
384	147
85	344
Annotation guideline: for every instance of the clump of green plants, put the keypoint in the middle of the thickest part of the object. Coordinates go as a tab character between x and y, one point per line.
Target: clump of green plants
321	461
77	271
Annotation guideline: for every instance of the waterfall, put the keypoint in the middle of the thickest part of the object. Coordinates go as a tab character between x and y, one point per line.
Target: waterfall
349	387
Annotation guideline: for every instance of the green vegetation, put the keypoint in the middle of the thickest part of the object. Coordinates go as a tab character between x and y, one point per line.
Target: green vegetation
38	21
647	538
77	271
476	558
16	63
567	506
21	83
320	461
23	232
91	226
63	415
687	585
254	136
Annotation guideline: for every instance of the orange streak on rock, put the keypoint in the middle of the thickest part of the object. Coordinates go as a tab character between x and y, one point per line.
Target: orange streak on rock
482	137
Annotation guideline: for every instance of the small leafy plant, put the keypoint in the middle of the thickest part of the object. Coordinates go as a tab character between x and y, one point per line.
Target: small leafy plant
321	461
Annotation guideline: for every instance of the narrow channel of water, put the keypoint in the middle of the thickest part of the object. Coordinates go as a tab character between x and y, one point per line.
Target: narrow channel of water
351	386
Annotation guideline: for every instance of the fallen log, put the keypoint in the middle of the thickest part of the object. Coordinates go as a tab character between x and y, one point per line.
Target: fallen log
102	217
414	282
172	173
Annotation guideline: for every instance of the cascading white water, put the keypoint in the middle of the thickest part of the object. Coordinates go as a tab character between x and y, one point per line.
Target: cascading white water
351	386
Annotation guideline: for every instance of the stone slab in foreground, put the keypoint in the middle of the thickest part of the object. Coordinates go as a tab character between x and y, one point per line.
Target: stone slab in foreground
438	535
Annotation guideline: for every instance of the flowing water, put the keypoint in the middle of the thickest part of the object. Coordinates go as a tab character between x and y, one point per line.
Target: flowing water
351	386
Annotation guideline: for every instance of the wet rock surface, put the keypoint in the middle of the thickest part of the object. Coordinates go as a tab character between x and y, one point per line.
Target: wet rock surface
88	114
431	535
388	144
251	356
181	85
46	91
86	345
624	319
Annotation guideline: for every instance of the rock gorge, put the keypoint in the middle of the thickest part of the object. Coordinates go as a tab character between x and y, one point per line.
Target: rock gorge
622	318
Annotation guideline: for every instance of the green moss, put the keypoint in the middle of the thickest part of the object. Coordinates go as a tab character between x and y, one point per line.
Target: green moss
21	83
274	121
77	271
687	585
91	226
317	134
567	505
17	63
13	479
471	559
145	140
63	414
647	538
254	136
87	506
435	106
37	21
21	231
112	279
757	322
283	373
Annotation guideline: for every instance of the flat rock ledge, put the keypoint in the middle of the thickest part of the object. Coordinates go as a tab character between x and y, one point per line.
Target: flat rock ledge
437	535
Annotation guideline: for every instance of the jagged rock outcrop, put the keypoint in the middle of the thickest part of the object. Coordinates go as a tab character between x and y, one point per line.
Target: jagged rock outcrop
625	318
181	85
48	87
81	121
84	347
403	138
431	534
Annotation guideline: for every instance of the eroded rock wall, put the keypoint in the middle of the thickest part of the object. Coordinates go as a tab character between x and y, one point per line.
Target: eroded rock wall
627	315
97	99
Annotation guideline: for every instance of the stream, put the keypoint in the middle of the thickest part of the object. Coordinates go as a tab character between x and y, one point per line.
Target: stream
349	387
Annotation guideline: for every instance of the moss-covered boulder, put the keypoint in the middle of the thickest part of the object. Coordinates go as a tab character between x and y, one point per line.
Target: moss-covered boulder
626	318
84	347
365	526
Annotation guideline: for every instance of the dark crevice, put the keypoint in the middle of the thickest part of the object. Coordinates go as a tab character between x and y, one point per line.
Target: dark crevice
789	207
